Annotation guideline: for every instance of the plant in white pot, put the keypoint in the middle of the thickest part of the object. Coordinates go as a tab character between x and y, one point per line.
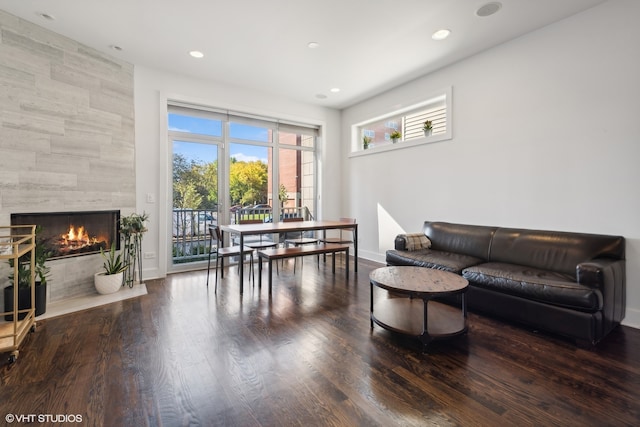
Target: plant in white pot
366	140
395	136
112	278
427	127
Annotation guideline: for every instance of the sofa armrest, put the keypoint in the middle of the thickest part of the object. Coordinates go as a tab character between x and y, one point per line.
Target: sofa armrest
596	272
609	277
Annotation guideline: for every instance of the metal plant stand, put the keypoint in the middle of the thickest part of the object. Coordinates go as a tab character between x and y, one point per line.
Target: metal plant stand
133	258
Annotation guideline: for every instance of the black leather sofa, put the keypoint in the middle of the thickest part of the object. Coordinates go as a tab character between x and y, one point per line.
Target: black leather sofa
570	284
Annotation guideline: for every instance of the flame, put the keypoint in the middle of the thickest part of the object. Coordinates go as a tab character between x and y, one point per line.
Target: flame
79	235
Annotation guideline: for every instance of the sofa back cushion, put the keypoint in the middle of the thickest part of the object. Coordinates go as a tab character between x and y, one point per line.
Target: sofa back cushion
552	250
473	240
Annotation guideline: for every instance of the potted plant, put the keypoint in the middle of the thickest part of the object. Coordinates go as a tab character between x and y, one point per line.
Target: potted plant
395	136
366	140
41	271
428	127
112	278
133	223
132	228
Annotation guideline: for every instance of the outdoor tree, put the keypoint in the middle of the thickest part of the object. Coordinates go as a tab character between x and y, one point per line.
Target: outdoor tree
210	181
283	195
188	196
191	178
248	182
187	199
195	184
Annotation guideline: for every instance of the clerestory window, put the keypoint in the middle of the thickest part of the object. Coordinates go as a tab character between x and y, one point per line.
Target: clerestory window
423	122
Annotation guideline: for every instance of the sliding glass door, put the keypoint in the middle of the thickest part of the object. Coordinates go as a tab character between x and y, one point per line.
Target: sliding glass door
195	185
228	167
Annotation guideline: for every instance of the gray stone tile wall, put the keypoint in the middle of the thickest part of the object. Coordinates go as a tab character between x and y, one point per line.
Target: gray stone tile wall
66	136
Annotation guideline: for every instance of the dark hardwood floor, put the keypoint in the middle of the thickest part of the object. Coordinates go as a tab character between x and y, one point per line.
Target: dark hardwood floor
306	355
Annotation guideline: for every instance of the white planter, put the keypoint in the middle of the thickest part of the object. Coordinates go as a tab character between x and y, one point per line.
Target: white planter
107	283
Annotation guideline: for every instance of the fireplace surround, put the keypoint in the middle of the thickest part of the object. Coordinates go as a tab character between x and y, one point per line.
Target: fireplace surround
70	234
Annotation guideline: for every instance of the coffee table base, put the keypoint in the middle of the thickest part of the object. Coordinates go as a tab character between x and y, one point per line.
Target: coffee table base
406	316
413	306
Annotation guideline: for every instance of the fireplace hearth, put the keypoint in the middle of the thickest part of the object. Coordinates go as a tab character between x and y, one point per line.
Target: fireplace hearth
69	234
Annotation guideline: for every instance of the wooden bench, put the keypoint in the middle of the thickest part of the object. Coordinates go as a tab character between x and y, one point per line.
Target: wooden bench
298	251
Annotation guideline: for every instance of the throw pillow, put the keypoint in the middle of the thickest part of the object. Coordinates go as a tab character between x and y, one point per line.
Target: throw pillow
416	241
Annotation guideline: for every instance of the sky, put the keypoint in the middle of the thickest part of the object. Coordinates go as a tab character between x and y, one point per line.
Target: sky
206	153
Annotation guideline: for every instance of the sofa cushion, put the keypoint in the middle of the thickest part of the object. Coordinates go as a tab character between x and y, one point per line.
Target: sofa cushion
447	261
552	250
472	240
535	284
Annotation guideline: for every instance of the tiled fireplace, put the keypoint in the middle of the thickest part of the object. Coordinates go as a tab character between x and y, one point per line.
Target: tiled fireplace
69	149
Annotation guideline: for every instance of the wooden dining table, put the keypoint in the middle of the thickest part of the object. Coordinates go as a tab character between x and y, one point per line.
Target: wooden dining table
242	230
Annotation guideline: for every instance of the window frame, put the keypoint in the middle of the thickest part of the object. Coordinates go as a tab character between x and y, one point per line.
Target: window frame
437	97
309	132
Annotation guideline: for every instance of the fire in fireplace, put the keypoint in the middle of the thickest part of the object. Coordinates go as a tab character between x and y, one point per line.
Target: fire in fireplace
66	234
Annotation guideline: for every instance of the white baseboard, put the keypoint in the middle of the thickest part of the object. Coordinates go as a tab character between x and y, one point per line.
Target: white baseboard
632	318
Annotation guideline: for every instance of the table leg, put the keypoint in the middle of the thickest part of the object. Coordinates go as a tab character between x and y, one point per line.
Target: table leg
346	256
270	275
221	258
333	265
259	271
355	249
371	305
464	307
425	337
242	269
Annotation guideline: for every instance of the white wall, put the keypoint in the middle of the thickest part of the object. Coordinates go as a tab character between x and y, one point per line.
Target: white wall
545	135
151	86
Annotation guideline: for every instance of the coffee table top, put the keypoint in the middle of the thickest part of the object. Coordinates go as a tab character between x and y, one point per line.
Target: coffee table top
422	281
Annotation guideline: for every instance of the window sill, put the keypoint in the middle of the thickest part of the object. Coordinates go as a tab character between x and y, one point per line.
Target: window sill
389	146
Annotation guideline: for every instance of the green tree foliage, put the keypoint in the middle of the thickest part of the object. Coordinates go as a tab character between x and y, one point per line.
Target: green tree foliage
211	183
187	195
195	184
248	182
183	181
283	195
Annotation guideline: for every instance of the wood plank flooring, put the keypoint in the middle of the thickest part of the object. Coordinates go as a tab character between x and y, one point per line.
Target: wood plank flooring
184	356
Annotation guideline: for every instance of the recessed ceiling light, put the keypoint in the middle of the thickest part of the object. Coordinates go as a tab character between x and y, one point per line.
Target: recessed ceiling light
441	34
196	54
489	9
46	16
313	45
335	89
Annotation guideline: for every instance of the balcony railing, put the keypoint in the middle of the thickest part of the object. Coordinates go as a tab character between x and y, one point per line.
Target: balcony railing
265	214
190	231
191	234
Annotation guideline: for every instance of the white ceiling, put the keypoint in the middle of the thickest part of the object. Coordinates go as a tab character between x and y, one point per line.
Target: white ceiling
365	46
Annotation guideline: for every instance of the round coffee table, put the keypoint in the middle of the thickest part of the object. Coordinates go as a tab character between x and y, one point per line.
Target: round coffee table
409	308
